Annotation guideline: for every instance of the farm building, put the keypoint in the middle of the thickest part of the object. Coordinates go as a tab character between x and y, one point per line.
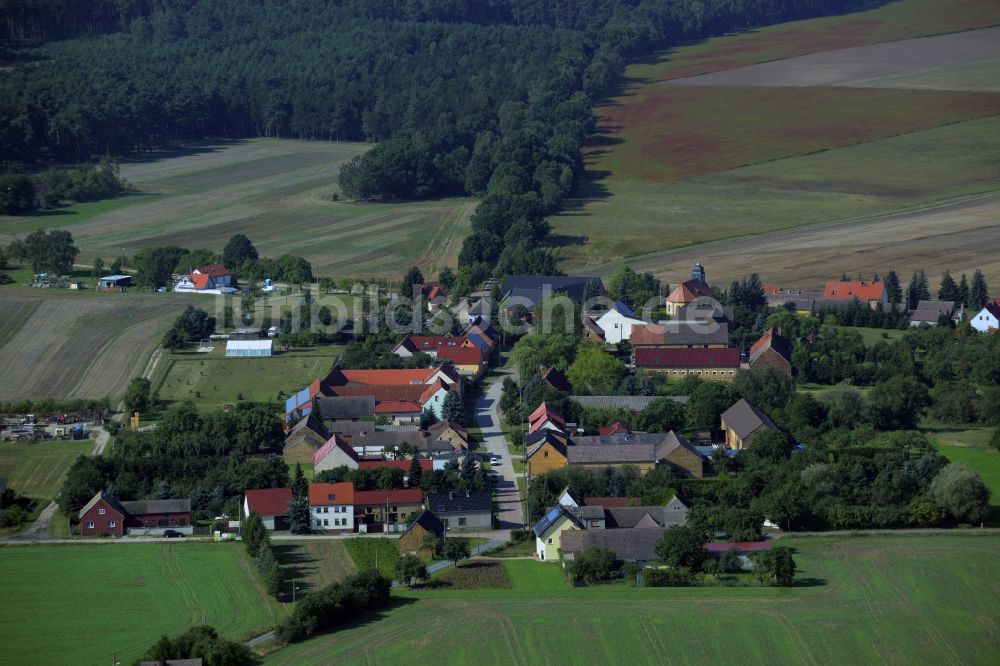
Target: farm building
720	365
271	504
147	515
386	510
742	423
412	541
247	333
249	348
102	515
772	349
114	283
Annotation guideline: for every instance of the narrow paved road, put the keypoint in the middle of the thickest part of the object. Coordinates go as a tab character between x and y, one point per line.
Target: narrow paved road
488	420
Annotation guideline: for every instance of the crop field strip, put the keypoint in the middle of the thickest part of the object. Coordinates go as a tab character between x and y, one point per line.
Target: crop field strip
37	470
142	590
276	193
867	600
668	170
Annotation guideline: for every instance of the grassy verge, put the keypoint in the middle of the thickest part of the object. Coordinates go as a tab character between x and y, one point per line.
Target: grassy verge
374	553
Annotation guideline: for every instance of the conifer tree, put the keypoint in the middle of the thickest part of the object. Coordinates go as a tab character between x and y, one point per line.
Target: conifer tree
979	293
948	290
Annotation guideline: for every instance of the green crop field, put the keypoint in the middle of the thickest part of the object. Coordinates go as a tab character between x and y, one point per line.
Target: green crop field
313	564
983	75
913	600
678	166
368	553
57	599
277	193
211	379
37	470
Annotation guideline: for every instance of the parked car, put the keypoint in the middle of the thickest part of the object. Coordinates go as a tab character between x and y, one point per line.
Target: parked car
172	534
496	460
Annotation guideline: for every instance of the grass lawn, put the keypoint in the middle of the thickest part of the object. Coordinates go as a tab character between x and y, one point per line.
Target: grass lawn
374	553
212	379
917	600
313	564
37	469
970	446
873	335
143	590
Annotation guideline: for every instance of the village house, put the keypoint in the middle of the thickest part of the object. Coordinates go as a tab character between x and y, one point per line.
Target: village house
303	440
742	423
617	323
429	344
772	349
336	452
386	510
717	365
210	279
529	290
331	506
987	320
641	456
467	510
442	460
545	418
869	293
557	380
434	294
634	545
931	312
271	504
413	540
668	448
547	454
706	333
103	514
452	433
547	531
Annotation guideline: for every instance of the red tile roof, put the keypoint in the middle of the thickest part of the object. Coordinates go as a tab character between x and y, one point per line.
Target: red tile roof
200	280
611	502
388	377
771	340
850	289
615	428
541	411
331	493
689	291
461	355
397	407
373	497
335	442
269	501
425	464
213	270
432	290
401	392
687	358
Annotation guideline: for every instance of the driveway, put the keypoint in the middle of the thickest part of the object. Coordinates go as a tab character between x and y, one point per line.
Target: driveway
487	419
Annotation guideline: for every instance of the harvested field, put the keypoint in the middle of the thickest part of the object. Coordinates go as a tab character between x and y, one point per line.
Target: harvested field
903	19
669	132
276	192
86	347
37	469
948	237
313	564
477	574
841	67
894	599
983	75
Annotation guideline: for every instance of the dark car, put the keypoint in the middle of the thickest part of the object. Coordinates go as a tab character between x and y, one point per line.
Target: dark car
172	534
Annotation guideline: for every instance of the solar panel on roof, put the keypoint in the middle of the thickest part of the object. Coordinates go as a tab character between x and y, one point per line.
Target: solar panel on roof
553	514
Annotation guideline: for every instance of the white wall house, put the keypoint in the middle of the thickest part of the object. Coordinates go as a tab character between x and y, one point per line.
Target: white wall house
618	322
987	318
331	506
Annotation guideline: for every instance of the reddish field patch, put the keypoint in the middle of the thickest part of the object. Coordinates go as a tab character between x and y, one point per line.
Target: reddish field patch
673	132
896	20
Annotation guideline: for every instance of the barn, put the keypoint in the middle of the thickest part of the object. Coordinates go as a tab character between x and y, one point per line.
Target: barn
249	348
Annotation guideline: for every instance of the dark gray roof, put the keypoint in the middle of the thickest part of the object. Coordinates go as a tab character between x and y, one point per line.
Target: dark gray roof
637	544
635	403
670	443
420	440
311	422
744	419
590	512
332	408
610	454
550	437
112	502
356	428
428	521
443	504
929	311
636	516
531	287
143	507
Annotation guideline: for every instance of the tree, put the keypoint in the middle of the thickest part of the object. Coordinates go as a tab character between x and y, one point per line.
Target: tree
682	546
661	415
298	514
137	395
98	268
432	542
961	491
775	566
897	403
254	533
593	371
456	550
238	251
707	402
51	251
416	473
267	566
17	194
409	568
543	350
979	293
948	290
453	408
174	338
447	278
594	564
893	288
324	316
154	265
413	277
963	292
300	487
765	387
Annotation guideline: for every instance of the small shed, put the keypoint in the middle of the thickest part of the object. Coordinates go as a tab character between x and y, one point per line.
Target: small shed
114	282
249	348
247	333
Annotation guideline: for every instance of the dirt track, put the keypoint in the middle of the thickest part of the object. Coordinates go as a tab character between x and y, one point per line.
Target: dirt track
852	66
959	236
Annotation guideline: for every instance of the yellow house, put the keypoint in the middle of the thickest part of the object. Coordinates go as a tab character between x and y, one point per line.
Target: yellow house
550	528
547	454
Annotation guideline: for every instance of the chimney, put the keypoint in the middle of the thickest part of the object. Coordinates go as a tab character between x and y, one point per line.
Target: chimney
698	273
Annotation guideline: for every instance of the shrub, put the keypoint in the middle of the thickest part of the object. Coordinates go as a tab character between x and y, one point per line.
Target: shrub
593	564
335	604
12	516
663	577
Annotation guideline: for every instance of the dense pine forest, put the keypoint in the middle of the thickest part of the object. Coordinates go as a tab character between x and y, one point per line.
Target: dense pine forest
491	98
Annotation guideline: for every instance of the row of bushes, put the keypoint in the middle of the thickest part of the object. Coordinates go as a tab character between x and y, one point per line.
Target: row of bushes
334	605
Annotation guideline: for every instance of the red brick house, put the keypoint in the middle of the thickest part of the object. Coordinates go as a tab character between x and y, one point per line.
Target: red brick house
772	349
102	515
148	515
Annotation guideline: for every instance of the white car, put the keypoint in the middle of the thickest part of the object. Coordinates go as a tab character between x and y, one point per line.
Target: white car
496	460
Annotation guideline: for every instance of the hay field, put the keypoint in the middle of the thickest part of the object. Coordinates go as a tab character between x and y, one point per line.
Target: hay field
274	191
88	346
37	469
905	600
673	167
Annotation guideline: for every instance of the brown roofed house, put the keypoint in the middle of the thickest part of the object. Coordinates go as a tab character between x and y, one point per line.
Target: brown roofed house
742	423
414	540
303	440
772	349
